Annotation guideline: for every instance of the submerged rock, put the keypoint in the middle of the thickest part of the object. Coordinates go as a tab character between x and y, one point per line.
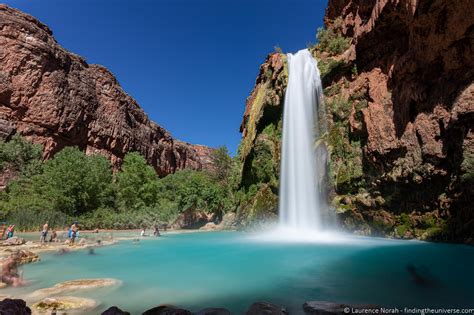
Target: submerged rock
25	257
323	307
167	310
213	311
114	310
63	303
14	306
264	308
74	285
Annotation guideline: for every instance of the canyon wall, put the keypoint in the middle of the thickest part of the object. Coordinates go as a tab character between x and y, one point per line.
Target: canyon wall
55	98
399	93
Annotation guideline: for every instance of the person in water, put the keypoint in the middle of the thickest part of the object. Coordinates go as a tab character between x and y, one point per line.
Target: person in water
156	231
44	233
10	273
142	233
53	237
421	277
62	251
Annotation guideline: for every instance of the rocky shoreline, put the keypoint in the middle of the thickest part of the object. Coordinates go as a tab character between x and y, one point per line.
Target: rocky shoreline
18	306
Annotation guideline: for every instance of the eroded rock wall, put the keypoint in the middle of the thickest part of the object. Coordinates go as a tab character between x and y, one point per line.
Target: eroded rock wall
410	96
55	98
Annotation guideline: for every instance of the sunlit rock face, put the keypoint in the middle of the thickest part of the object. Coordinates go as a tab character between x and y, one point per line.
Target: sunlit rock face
55	98
400	108
410	85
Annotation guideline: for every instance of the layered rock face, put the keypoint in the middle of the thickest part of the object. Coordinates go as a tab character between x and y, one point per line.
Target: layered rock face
54	98
398	78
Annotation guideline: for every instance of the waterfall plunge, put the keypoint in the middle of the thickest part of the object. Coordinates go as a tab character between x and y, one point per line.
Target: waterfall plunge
301	206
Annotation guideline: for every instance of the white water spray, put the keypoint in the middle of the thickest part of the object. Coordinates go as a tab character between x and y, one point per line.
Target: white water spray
300	188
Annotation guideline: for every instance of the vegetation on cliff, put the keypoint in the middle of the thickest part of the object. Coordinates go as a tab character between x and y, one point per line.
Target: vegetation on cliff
258	159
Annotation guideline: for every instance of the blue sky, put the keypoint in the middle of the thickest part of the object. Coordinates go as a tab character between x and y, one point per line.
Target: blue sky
189	63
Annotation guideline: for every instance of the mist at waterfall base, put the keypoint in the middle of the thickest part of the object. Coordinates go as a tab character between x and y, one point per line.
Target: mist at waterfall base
303	209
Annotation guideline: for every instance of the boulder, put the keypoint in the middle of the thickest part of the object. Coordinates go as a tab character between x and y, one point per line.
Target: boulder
114	310
192	218
213	311
74	285
14	306
63	303
264	308
211	226
323	307
167	310
13	241
25	257
229	221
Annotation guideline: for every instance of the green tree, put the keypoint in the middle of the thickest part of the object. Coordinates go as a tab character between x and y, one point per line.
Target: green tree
20	154
222	163
75	183
194	189
137	184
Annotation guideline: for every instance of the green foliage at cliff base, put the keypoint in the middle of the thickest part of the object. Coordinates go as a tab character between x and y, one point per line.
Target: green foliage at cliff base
74	186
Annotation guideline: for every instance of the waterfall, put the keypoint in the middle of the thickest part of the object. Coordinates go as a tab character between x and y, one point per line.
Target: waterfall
300	202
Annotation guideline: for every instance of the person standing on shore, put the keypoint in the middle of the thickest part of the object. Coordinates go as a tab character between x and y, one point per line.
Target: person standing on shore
10	231
44	233
74	229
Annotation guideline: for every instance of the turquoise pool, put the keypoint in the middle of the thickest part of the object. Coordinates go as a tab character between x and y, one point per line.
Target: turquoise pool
233	270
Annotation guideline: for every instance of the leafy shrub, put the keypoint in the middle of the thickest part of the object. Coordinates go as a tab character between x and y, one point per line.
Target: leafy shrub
467	167
332	69
331	42
340	108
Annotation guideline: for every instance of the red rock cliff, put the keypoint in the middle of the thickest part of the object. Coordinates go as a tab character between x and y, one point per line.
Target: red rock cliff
413	66
53	97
